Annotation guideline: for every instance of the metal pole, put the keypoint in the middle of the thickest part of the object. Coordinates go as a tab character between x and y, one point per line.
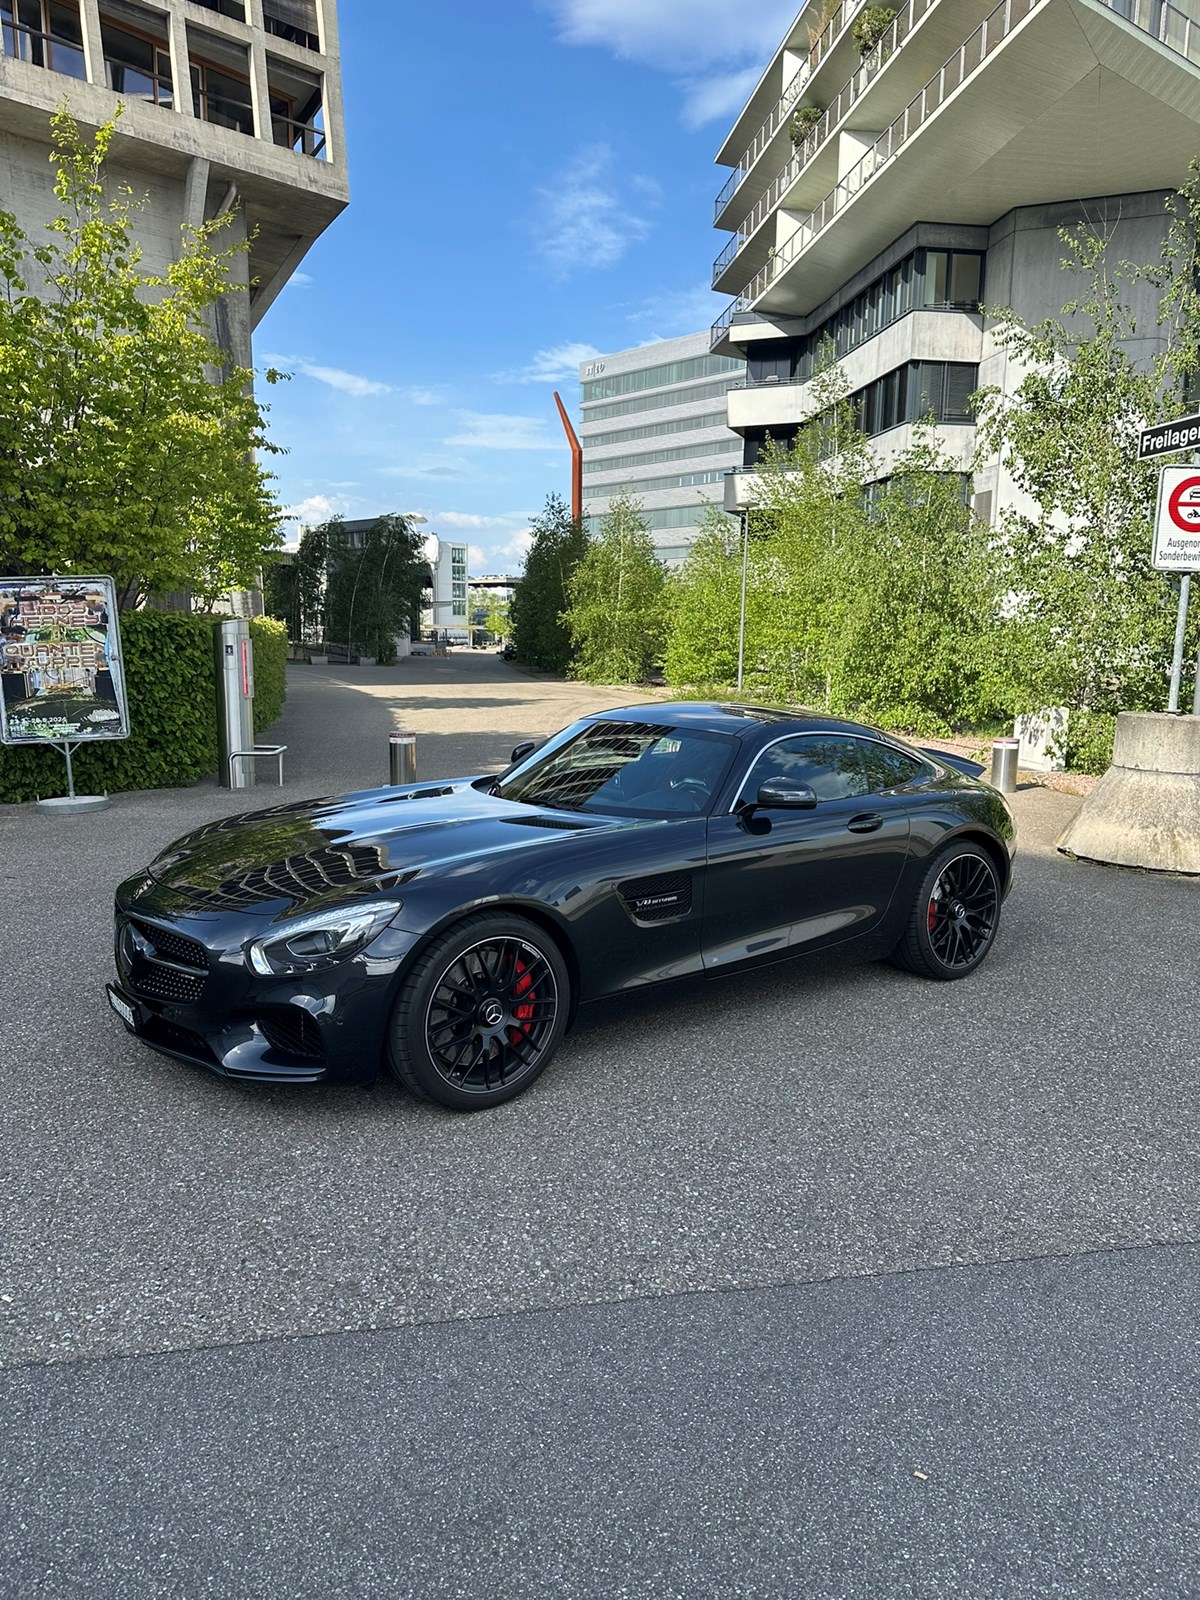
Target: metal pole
742	607
1185	585
70	774
402	757
1196	690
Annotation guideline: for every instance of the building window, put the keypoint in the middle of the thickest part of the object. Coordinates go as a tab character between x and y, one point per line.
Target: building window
294	20
650	458
654	430
219	98
659	402
297	121
226	8
136	65
658	377
45	34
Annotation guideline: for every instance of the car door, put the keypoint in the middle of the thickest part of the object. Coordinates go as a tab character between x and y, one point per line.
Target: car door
784	880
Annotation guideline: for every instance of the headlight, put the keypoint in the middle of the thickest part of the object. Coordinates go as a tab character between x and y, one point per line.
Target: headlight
320	940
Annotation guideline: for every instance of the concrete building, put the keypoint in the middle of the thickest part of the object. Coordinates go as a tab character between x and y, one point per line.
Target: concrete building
227	104
880	199
653	426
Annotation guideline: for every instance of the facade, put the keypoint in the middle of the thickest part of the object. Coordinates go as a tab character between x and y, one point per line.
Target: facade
653	426
881	200
447	610
228	104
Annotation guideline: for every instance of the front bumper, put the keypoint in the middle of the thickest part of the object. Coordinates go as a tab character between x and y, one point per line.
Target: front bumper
328	1026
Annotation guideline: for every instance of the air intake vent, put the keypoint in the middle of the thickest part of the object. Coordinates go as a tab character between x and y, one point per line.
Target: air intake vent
293	1031
662	899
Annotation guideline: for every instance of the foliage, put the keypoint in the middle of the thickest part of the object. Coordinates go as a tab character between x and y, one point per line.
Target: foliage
870	26
281	595
496	618
615	609
118	454
803	122
312	556
270	669
702	607
1091	623
1089	742
539	634
373	589
171	683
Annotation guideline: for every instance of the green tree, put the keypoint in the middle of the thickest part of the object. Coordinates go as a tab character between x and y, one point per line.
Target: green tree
281	595
117	452
615	613
701	610
540	636
312	558
1090	624
373	587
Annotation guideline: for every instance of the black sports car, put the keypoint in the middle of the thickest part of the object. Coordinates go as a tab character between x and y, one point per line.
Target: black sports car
453	929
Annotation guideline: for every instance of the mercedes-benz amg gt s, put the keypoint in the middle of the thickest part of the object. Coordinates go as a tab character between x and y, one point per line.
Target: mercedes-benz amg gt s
450	931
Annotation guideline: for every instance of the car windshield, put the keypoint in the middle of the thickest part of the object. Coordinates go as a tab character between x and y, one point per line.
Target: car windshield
637	769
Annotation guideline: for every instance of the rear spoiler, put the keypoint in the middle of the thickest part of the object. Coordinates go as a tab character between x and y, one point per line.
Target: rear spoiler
947	758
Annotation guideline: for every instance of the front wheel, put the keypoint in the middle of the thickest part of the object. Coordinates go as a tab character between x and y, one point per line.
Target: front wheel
481	1013
953	922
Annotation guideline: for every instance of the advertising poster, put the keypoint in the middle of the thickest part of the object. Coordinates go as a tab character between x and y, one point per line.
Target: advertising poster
60	661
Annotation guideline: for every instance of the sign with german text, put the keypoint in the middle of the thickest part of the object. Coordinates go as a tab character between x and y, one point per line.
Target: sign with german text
1166	438
60	661
1177	521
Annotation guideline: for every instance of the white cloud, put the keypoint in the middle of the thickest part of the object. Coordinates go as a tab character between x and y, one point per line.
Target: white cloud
346	382
317	508
686	40
497	431
299	280
666	316
473	520
560	364
581	220
454	469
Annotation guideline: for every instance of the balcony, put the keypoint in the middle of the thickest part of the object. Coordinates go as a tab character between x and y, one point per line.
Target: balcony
1082	97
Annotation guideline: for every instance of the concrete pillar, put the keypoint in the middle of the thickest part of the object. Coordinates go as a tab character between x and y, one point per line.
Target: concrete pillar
852	147
181	75
195	192
93	46
260	92
1145	811
331	82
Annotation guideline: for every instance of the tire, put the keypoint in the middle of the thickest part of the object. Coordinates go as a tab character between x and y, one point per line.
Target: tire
955	914
481	1013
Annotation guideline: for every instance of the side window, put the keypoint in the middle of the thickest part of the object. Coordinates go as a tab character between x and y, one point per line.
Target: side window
887	768
831	767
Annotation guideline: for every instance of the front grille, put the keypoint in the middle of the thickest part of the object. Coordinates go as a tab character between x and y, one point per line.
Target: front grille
293	1031
179	1041
659	899
162	964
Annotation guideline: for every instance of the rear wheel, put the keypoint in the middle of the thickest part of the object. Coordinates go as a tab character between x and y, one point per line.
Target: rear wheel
953	921
481	1013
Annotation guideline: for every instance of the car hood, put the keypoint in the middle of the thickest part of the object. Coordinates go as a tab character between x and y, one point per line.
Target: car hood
290	858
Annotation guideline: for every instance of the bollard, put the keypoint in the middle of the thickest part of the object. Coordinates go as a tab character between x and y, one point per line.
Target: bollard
1004	765
402	757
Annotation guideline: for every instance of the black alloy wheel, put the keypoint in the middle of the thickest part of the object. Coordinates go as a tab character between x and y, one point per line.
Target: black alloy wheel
956	912
481	1014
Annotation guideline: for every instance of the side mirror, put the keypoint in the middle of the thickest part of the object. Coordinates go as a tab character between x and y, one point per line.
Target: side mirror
525	748
780	794
785	794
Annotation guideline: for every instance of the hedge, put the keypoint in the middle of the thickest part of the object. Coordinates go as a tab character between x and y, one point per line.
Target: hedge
170	677
270	667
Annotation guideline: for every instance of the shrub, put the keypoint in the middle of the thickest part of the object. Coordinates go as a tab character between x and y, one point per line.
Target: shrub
870	26
803	123
270	668
170	679
1089	742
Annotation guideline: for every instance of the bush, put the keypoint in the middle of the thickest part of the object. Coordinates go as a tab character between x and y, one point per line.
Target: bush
870	26
170	679
270	668
803	123
1089	742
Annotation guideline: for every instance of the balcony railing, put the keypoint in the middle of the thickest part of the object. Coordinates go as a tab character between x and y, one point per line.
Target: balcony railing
994	28
779	113
1166	23
43	50
304	137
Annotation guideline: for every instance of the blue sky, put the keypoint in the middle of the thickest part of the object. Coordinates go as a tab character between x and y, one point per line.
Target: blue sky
531	181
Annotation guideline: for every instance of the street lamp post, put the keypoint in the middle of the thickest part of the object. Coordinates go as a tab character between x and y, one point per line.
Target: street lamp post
739	497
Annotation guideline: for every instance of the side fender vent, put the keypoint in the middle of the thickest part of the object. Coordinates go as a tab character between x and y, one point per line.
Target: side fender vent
662	899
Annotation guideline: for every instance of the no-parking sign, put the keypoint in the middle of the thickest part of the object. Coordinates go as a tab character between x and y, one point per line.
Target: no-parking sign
1177	521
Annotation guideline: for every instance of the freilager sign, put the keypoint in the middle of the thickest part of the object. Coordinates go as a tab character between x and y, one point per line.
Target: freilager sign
1168	437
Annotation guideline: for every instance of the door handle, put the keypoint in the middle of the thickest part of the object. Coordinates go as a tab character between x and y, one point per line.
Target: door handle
865	822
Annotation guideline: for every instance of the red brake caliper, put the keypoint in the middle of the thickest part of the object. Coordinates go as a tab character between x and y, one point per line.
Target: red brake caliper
933	909
524	987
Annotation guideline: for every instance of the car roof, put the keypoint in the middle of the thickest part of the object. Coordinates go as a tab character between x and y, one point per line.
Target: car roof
732	717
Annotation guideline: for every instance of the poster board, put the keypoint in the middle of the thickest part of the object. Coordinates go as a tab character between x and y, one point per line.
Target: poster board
62	677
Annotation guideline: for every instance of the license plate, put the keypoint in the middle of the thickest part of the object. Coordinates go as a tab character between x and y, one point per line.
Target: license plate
123	1009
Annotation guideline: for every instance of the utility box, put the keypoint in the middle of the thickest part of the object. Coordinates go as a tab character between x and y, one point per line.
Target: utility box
233	650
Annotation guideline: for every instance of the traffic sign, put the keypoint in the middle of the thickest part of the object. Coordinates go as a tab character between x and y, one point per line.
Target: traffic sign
1177	520
1166	438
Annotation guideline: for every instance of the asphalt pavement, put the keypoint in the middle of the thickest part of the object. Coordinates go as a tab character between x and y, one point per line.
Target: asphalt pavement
822	1282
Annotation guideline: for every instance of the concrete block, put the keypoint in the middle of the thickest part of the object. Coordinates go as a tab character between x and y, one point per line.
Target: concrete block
1039	732
1145	811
